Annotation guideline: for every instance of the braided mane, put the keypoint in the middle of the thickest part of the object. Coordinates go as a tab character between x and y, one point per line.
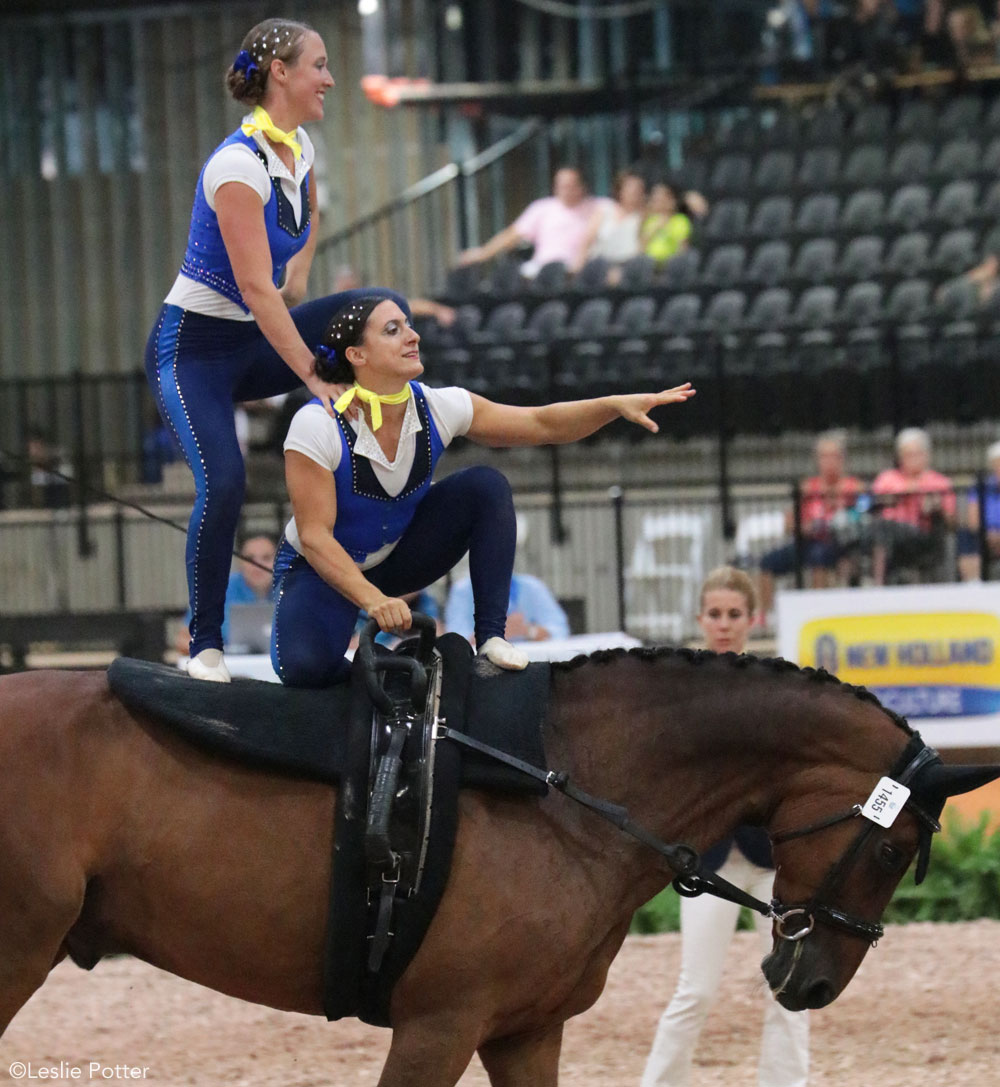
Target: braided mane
777	665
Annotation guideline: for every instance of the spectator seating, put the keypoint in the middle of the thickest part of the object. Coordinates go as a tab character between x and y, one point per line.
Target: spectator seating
826	285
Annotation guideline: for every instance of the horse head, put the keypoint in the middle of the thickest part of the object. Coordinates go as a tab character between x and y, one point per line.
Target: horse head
827	914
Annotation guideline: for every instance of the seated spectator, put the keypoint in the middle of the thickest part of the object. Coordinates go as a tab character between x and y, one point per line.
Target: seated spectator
249	583
613	232
869	37
534	614
970	567
824	499
49	475
787	42
970	36
914	505
555	225
666	230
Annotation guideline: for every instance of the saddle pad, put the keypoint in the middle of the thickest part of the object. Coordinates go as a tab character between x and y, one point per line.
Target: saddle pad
304	732
301	732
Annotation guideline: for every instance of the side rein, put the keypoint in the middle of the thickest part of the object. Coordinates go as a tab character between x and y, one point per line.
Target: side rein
693	880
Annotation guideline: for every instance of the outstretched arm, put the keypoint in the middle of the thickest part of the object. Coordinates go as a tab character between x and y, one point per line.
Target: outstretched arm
567	421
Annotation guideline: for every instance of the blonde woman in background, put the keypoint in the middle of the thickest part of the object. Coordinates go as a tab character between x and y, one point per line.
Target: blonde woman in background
727	606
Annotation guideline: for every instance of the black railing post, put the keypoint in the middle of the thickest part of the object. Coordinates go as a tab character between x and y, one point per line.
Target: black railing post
725	498
84	544
617	496
982	535
120	577
799	540
464	229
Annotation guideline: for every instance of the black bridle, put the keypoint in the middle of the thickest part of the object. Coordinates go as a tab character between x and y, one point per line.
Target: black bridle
915	757
693	880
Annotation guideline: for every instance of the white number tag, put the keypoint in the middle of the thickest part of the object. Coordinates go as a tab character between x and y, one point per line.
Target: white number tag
886	802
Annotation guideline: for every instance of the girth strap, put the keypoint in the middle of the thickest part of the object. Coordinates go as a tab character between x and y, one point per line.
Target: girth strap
691	879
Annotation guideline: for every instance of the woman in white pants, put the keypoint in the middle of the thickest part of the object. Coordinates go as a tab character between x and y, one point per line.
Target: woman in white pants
727	607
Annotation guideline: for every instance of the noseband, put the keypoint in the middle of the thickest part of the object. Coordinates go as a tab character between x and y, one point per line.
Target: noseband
915	757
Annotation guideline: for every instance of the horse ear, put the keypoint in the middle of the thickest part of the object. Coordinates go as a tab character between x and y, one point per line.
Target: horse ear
943	781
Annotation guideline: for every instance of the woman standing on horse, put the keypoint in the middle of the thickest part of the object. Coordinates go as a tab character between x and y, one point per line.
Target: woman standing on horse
368	526
226	331
728	603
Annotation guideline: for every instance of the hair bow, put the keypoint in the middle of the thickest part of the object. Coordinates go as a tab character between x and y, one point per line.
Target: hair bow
327	353
244	63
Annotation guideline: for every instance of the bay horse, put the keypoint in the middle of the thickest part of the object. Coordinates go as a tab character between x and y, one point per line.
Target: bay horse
118	836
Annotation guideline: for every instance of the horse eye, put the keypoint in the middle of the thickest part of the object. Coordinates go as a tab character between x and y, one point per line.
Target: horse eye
889	856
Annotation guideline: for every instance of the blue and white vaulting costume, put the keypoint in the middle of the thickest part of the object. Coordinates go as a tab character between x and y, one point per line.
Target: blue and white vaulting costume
206	352
403	531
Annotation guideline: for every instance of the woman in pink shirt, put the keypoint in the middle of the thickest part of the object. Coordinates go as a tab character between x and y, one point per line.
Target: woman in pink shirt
916	504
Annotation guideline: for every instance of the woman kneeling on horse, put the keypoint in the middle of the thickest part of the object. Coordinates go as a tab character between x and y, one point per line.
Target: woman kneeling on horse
368	526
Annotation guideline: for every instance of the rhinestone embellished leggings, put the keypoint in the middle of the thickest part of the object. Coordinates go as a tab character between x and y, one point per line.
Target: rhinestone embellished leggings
198	367
471	511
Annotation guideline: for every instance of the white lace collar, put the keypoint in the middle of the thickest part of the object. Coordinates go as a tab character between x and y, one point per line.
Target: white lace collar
367	444
275	167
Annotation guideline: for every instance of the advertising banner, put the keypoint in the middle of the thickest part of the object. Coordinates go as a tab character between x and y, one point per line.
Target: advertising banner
929	652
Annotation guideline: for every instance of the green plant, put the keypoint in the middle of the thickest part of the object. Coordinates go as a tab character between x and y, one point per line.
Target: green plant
963	880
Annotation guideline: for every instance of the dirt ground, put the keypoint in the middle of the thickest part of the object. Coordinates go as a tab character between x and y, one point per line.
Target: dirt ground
922	1010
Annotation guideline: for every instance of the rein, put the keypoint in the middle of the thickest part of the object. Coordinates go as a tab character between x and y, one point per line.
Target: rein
693	880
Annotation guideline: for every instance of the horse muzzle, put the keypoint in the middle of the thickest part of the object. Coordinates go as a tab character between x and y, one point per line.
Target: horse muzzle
794	978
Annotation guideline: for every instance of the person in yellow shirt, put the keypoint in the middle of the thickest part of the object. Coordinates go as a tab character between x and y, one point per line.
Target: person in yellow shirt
666	230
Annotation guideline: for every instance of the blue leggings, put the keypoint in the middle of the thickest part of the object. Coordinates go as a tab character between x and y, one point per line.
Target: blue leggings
471	511
198	367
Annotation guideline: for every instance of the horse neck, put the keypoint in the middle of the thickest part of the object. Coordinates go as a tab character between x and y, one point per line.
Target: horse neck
695	749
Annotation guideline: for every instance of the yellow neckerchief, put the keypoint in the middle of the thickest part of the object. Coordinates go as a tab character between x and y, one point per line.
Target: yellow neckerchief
260	121
373	400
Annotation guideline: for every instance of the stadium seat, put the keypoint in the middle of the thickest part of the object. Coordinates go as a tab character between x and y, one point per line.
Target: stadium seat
551	278
911	161
774	172
692	174
955	252
724	312
780	128
504	277
635	316
825	126
770	263
771	218
861	304
909	207
908	254
462	282
962	114
637	273
770	309
502	324
727	219
862	257
724	266
989	207
468	319
681	271
815	308
863	212
871	124
815	260
591	318
917	118
957	203
817	214
549	320
865	166
958	158
956	300
593	276
908	301
679	315
991	122
730	174
819	169
989	164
